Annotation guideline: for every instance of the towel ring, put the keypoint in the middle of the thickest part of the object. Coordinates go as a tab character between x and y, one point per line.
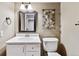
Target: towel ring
8	20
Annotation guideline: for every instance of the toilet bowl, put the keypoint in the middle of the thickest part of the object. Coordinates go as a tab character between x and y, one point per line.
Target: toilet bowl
53	54
50	45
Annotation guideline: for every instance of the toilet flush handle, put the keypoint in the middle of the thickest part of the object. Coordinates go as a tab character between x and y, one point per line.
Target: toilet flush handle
45	43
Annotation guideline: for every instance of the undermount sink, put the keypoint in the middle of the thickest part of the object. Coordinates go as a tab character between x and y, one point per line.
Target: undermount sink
27	35
26	39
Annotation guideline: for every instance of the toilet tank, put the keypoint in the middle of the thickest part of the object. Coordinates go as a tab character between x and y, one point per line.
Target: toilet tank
50	44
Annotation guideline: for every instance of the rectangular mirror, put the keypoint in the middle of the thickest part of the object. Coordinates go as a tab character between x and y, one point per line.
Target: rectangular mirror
27	21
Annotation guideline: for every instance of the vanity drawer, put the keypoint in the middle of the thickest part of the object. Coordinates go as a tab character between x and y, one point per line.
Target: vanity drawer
33	54
32	47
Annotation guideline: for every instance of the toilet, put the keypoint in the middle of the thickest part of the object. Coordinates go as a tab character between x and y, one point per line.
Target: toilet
50	46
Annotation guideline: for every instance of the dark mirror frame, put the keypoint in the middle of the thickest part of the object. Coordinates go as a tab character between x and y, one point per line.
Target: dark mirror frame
35	19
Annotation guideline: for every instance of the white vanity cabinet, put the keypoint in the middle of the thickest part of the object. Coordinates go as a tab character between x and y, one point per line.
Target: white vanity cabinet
25	47
23	50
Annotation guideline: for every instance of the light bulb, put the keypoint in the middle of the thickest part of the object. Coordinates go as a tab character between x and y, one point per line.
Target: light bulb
30	8
22	7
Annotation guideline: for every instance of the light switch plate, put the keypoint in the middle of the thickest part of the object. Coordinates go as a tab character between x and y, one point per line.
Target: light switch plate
1	33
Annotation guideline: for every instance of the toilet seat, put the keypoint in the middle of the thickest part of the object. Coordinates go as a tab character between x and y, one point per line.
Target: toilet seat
53	54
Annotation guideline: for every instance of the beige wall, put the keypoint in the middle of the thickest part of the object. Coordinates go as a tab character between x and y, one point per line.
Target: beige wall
38	7
6	10
70	32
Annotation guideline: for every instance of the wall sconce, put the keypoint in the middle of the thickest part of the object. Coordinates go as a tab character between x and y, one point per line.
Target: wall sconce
29	7
26	7
22	7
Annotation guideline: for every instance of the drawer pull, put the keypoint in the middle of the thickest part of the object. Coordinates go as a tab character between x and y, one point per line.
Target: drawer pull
32	48
32	55
23	50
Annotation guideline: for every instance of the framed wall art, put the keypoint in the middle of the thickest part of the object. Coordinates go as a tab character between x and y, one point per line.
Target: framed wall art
49	18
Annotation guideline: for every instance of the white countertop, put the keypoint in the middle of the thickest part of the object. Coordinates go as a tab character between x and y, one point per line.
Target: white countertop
24	40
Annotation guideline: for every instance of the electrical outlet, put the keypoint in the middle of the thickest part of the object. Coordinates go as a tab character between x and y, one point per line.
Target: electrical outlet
1	33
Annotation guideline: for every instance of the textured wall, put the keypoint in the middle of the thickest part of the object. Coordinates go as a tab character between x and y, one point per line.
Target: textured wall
6	10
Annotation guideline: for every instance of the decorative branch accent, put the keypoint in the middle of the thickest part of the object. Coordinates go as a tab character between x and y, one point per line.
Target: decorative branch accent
49	18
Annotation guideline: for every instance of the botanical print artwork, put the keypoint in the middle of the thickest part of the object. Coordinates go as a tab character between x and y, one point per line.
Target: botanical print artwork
49	18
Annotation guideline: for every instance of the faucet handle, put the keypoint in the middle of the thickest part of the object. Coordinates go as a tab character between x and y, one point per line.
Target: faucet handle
27	35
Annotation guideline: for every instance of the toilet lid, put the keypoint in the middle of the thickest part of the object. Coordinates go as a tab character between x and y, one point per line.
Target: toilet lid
53	54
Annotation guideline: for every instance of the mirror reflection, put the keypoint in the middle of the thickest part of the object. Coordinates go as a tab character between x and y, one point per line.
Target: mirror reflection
27	21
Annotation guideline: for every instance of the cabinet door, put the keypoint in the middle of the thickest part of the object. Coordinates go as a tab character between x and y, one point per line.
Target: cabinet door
15	50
